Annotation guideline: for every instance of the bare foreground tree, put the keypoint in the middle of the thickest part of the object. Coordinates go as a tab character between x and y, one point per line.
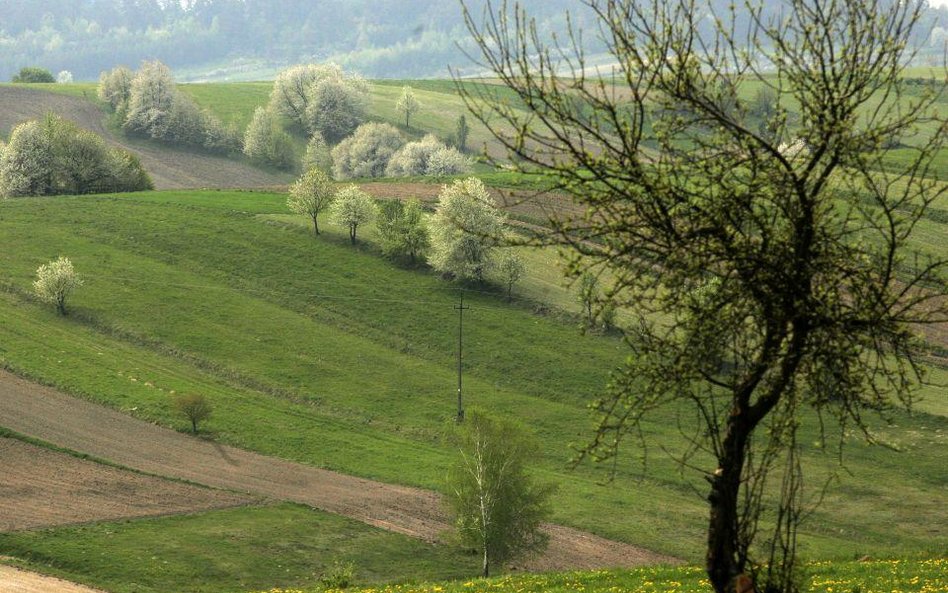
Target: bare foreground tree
766	259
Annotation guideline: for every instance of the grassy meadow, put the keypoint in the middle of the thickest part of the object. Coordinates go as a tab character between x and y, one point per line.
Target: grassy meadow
283	545
867	576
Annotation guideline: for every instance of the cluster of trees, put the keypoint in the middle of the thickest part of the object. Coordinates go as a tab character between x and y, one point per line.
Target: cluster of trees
53	156
328	105
377	150
148	103
460	240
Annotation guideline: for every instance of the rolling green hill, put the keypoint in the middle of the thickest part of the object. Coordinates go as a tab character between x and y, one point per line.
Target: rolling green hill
319	352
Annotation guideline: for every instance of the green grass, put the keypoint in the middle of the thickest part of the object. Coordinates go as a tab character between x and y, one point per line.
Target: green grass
318	352
231	550
874	576
233	102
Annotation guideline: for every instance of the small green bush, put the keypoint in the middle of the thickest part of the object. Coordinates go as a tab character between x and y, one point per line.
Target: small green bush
338	575
34	74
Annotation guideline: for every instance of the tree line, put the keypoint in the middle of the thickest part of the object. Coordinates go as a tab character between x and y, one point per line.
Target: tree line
387	38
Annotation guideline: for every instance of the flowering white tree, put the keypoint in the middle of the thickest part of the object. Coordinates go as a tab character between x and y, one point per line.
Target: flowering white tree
464	230
115	87
64	77
151	100
352	208
311	194
55	281
290	94
26	162
265	142
428	156
408	104
317	154
54	156
367	152
320	97
336	107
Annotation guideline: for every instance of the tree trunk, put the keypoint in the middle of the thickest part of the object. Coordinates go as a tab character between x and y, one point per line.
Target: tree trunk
315	226
486	563
722	562
194	426
352	234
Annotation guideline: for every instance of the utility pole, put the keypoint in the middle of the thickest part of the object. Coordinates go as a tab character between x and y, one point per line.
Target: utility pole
460	309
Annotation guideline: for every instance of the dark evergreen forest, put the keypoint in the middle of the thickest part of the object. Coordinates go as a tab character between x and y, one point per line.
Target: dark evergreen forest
379	38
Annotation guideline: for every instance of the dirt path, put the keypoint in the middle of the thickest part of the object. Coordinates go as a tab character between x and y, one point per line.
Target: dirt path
169	168
14	580
78	425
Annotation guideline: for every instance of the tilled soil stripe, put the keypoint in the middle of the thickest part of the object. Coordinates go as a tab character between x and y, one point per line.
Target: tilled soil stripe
89	428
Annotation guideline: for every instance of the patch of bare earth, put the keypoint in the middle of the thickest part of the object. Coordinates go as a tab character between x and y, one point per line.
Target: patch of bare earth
108	434
14	580
169	168
42	488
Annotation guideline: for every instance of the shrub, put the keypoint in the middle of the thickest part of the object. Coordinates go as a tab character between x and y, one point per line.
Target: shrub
54	156
64	77
33	74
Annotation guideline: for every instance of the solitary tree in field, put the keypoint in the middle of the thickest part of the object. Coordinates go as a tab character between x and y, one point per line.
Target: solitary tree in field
194	407
352	208
511	269
498	507
55	281
408	104
464	230
762	284
311	194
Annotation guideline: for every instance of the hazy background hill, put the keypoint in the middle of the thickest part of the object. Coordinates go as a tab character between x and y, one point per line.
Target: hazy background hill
252	39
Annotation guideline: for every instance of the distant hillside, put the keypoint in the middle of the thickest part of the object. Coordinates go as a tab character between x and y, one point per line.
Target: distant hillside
253	39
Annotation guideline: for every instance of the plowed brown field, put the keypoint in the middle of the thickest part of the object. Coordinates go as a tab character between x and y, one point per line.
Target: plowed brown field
42	488
169	168
108	434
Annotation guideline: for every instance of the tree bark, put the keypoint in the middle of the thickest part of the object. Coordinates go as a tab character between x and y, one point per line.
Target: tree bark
722	562
315	226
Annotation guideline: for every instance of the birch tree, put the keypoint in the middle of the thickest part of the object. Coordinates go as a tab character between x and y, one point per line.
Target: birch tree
498	506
